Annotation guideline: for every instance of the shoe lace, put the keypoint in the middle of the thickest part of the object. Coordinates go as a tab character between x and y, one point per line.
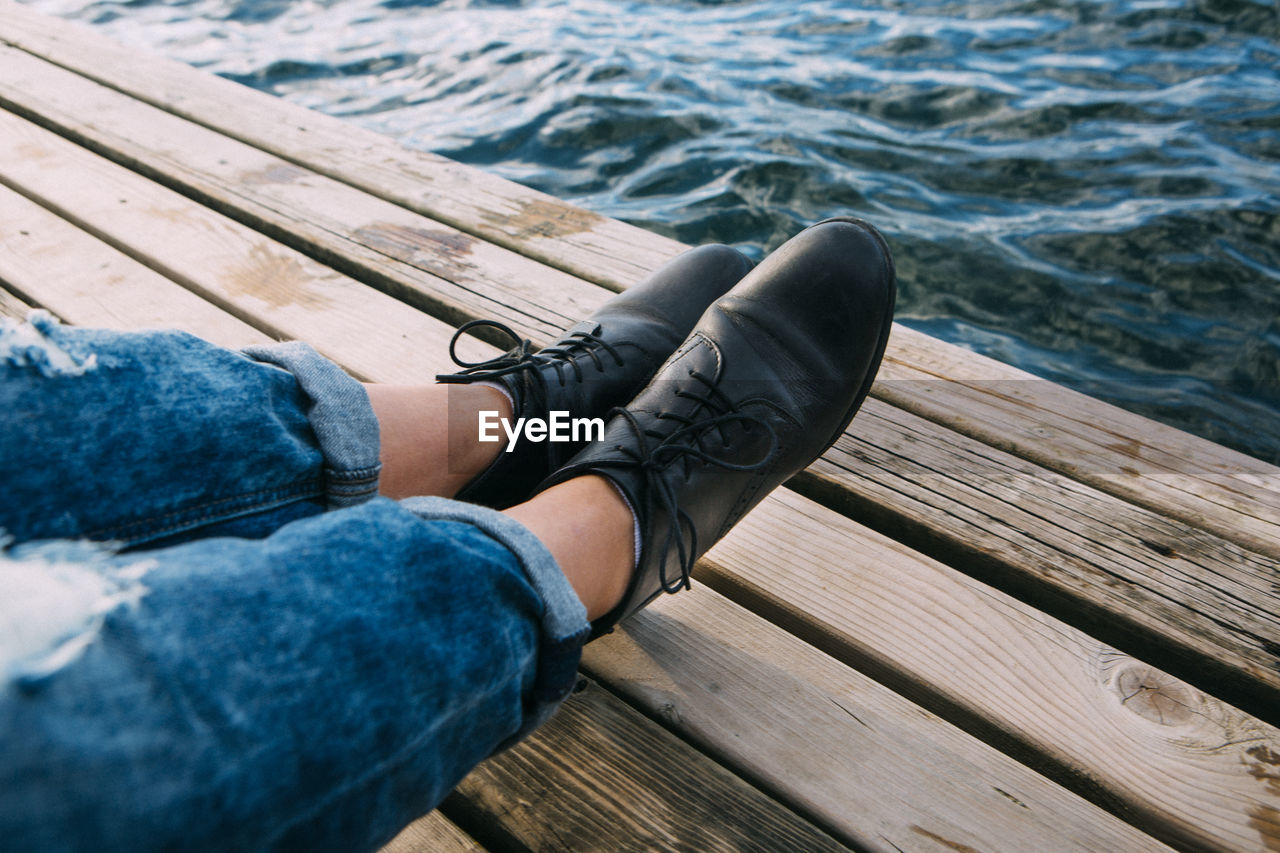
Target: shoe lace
582	341
657	451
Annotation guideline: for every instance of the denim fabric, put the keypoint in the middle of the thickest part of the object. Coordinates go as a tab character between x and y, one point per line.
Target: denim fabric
338	411
141	437
316	680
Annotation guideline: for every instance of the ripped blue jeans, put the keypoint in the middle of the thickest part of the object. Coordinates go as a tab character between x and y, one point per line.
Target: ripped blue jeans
213	634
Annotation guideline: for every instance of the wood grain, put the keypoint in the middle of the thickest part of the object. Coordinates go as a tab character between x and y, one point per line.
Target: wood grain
600	777
269	286
1172	472
882	772
1185	766
1200	483
432	833
1179	596
82	280
421	261
12	306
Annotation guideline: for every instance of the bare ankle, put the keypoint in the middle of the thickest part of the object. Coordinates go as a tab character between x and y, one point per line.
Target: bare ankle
588	527
420	455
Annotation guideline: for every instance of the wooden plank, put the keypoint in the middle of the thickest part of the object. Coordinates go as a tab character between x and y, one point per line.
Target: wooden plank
1233	495
600	777
440	269
1184	599
499	211
11	306
432	833
275	289
1151	464
82	280
882	772
469	277
1184	766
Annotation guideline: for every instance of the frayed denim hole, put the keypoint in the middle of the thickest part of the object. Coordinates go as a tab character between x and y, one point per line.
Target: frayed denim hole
58	594
35	344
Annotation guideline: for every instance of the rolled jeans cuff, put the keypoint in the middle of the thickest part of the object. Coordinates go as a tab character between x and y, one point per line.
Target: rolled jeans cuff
341	416
564	624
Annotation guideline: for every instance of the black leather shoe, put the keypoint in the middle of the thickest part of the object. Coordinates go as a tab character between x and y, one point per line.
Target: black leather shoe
771	375
595	366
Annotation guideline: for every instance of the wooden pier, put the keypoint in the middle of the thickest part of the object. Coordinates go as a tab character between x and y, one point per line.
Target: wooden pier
997	615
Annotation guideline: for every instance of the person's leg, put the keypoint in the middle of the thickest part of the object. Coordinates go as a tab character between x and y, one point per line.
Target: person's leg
149	437
418	457
316	689
590	530
320	686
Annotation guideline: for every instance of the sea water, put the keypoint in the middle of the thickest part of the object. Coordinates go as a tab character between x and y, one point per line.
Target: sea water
1086	189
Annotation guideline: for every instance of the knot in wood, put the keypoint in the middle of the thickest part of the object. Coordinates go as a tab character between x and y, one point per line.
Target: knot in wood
1155	695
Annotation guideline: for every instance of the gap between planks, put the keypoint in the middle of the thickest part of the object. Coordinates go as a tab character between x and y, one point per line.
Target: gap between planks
1180	597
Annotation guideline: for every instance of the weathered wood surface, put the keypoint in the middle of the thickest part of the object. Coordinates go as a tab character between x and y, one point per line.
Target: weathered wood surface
11	306
1182	597
1143	461
433	833
836	743
1183	765
438	268
599	777
1071	553
82	280
269	286
1174	473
